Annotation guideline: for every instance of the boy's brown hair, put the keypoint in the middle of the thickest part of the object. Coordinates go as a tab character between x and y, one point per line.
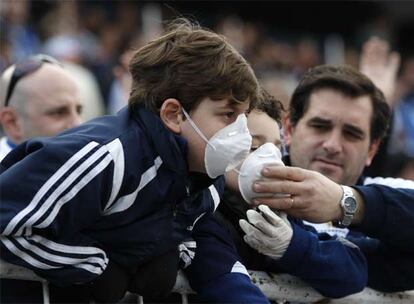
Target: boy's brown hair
349	82
190	63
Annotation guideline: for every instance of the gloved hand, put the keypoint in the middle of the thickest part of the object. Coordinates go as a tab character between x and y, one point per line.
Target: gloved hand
267	232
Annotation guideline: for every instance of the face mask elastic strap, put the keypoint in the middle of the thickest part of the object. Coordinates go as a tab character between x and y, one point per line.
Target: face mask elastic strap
197	129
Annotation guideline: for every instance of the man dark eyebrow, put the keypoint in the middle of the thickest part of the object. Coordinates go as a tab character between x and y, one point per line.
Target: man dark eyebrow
350	128
320	120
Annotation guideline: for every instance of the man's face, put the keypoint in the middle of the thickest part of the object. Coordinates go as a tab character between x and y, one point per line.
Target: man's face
333	136
209	116
54	105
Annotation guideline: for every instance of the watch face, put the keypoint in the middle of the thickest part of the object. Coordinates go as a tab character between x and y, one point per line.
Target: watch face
350	205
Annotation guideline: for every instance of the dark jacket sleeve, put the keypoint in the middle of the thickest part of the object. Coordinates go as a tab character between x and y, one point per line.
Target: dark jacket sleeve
47	199
333	266
216	273
389	216
389	270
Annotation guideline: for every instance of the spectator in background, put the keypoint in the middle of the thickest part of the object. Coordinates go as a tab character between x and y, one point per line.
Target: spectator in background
121	85
38	98
68	50
401	143
396	153
23	39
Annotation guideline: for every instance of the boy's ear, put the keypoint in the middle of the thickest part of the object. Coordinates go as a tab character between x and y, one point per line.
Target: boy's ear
171	115
287	130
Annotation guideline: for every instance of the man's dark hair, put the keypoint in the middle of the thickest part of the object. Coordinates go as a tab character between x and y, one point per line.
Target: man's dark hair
349	82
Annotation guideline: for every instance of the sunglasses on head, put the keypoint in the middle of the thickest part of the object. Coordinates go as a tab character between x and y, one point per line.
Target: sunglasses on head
25	68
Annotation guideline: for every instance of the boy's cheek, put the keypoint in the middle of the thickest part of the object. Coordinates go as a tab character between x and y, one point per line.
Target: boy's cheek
195	157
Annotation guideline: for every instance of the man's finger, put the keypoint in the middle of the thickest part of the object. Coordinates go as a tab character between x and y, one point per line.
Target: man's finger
279	187
279	203
281	172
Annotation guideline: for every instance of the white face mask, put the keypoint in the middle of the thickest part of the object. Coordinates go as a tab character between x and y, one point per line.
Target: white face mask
250	171
227	148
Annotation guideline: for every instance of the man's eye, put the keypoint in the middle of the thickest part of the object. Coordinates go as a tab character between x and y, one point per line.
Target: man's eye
319	126
353	136
58	112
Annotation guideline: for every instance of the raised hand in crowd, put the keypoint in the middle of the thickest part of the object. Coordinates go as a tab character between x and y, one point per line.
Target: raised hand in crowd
380	65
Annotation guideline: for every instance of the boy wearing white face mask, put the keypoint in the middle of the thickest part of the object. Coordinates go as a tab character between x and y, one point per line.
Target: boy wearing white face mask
104	206
265	240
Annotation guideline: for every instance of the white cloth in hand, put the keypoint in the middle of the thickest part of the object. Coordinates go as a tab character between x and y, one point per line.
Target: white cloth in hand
267	232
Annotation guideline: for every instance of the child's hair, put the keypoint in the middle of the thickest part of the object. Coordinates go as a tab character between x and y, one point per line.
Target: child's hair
268	104
190	63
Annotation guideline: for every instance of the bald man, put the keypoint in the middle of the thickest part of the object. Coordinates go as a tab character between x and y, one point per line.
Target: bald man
38	97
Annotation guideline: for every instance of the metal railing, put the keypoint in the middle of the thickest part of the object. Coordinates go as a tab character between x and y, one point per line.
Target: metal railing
277	287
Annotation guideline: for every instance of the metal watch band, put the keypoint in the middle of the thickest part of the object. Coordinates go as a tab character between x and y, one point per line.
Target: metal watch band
348	205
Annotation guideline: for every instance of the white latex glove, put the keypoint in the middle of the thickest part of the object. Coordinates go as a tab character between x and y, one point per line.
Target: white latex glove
267	232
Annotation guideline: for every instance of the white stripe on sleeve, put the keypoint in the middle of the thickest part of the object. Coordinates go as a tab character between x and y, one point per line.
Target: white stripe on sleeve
117	152
75	189
390	182
215	196
63	186
126	201
46	187
239	268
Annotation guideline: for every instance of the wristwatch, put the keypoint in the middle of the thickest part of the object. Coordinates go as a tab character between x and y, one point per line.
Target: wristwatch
349	206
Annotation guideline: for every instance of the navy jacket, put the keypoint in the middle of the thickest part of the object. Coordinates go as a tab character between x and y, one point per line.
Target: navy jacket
116	188
332	265
386	233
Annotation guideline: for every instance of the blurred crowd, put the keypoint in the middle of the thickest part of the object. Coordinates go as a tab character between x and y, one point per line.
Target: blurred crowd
95	40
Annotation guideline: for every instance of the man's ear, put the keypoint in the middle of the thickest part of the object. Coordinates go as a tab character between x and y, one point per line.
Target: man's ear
11	124
373	149
171	115
287	130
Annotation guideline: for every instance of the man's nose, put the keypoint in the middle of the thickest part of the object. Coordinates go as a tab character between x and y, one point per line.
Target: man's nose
333	142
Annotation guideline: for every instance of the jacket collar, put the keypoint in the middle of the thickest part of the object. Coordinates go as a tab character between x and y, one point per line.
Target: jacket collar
170	147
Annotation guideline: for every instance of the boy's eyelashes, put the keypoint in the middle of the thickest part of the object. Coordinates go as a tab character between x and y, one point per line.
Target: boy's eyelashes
230	114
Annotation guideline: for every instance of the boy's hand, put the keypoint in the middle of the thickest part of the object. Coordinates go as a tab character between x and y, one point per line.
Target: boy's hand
267	232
